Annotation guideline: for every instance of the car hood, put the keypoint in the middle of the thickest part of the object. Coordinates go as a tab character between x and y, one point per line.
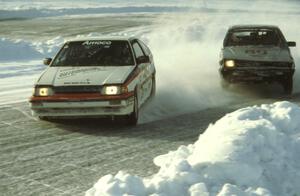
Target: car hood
257	53
68	76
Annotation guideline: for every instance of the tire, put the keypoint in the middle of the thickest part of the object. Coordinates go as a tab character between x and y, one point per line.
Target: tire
288	86
153	88
132	119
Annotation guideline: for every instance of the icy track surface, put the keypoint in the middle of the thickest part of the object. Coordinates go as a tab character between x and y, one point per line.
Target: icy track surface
252	151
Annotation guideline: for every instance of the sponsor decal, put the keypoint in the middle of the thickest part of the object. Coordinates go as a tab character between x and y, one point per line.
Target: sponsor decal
96	43
87	81
72	72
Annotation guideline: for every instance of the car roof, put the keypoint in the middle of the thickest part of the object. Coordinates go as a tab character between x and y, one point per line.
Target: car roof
104	38
236	27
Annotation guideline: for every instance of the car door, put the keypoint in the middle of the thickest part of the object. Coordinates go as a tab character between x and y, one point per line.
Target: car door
144	72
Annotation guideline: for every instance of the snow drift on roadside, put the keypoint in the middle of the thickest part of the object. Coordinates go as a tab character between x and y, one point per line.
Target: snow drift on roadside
16	50
252	151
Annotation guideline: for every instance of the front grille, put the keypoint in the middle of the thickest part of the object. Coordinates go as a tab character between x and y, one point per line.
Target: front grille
244	63
77	89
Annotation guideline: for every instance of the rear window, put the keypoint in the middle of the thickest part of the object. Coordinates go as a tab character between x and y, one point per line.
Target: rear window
95	53
243	37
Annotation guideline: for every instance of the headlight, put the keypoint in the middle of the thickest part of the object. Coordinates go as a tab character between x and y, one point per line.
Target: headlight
229	63
43	91
114	90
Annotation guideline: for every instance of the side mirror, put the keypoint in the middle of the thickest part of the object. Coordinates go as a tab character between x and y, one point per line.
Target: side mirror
47	61
143	59
291	44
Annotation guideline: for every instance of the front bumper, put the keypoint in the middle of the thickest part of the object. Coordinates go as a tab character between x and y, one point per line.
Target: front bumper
83	107
256	75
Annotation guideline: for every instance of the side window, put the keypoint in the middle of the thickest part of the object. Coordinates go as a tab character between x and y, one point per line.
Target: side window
145	48
137	50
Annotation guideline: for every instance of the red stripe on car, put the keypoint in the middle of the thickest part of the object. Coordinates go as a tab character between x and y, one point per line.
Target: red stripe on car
81	97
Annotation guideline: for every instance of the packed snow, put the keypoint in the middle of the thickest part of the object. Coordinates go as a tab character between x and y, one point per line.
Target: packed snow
16	50
252	151
21	65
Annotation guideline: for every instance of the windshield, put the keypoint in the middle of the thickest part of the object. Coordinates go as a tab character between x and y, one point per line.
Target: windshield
95	53
244	37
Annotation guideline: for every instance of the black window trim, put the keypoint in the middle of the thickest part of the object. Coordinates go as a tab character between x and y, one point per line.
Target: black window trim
144	47
137	41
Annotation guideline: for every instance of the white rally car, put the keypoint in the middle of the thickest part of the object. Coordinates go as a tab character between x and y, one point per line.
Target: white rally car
257	53
96	77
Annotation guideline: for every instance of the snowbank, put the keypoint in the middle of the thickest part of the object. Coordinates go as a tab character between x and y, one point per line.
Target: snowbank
252	151
15	50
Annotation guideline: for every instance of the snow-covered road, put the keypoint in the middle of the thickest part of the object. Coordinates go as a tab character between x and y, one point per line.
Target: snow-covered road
67	158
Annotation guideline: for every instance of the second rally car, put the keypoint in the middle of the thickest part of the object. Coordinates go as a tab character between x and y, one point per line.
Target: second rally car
257	53
96	77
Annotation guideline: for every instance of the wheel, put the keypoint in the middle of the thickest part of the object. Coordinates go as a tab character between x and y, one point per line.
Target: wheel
132	119
288	85
153	88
